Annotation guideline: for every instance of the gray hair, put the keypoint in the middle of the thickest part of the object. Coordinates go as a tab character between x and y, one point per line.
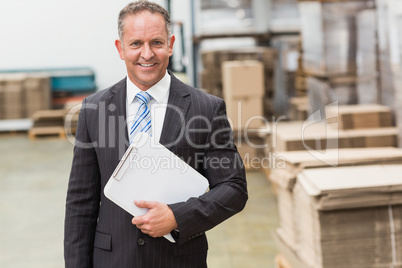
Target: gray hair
143	5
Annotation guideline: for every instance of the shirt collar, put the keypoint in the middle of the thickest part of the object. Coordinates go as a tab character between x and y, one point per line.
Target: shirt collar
158	91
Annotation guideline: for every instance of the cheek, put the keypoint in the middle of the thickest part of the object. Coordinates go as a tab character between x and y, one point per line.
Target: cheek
130	55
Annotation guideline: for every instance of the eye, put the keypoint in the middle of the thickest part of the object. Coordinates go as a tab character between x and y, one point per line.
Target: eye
158	43
135	44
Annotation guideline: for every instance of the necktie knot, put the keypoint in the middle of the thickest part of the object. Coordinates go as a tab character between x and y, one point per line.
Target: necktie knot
142	121
144	97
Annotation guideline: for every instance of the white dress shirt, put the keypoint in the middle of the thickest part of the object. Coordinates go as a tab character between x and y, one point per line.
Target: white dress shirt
157	105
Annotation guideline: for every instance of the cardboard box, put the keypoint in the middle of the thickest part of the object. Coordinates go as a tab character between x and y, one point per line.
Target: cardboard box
318	136
327	28
1	101
241	79
349	216
298	108
289	164
37	94
212	61
251	150
49	118
245	113
360	116
13	101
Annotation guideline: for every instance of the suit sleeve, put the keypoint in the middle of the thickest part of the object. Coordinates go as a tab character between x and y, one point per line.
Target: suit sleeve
224	169
83	197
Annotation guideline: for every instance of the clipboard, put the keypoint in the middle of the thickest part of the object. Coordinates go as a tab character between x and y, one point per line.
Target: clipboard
149	171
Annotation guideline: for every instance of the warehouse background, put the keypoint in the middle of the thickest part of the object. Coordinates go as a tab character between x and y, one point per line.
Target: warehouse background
313	93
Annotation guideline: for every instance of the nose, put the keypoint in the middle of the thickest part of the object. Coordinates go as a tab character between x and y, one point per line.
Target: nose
146	52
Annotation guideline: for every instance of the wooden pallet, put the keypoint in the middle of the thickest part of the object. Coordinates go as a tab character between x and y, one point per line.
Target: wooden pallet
281	262
46	131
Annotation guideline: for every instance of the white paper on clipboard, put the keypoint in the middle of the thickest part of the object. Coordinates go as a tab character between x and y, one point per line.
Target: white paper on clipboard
152	173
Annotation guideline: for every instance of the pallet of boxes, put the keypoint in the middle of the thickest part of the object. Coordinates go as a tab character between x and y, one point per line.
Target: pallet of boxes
22	94
347	126
56	122
243	90
339	190
212	73
335	34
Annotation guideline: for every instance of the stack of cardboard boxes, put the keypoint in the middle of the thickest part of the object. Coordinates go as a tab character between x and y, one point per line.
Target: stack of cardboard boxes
367	69
389	22
307	219
299	108
243	90
48	122
360	116
349	216
22	94
329	42
350	126
304	135
13	101
211	76
337	191
37	93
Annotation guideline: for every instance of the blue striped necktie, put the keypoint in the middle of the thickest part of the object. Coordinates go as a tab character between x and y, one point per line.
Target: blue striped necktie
142	120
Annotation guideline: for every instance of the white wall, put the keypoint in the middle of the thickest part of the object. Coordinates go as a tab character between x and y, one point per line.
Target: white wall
61	33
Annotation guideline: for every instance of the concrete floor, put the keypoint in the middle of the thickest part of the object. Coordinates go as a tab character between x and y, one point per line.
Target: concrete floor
33	183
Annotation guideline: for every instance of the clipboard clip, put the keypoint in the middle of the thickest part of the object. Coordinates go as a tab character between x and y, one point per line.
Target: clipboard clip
123	161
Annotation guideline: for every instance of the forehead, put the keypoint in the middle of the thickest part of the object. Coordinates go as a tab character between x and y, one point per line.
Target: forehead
144	22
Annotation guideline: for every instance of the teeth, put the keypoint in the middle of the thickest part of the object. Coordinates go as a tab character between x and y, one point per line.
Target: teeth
146	65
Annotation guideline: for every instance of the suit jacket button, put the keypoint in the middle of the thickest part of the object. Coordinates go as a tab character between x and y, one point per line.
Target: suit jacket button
140	242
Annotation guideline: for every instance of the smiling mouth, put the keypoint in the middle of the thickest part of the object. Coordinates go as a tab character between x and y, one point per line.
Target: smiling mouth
146	65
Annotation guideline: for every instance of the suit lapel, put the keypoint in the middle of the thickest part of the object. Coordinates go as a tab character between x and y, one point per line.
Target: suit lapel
176	111
117	137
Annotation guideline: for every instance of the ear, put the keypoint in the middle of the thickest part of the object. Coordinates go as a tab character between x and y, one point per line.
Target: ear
119	47
172	39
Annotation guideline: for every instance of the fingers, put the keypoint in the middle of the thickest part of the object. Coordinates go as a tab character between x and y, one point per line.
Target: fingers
144	227
139	223
144	204
158	221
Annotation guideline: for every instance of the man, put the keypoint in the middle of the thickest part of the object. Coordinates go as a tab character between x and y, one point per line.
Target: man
193	125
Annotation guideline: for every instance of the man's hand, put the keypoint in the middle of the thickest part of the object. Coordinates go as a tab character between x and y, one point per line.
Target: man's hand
158	221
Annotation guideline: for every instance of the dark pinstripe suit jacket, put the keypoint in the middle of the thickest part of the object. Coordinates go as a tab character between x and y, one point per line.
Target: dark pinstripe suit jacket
98	233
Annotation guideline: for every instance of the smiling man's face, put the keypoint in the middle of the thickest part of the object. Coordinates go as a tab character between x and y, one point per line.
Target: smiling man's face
145	48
